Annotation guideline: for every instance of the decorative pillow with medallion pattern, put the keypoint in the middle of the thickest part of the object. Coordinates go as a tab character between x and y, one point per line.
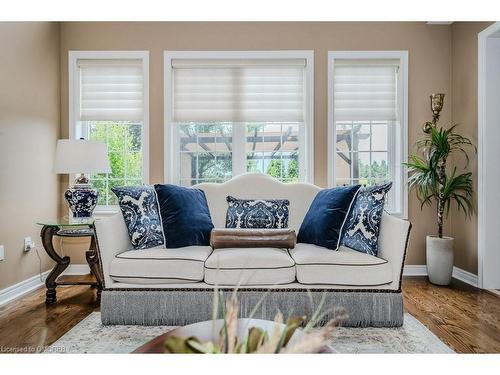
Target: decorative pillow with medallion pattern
363	223
139	206
257	213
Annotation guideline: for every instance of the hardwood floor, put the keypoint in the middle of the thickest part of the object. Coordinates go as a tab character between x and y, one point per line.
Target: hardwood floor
465	318
28	322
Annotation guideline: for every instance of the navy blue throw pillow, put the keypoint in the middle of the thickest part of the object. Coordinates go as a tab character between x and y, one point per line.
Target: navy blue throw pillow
257	213
185	216
141	214
325	219
363	223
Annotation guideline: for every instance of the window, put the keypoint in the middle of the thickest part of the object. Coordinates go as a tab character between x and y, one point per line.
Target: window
109	103
368	122
233	112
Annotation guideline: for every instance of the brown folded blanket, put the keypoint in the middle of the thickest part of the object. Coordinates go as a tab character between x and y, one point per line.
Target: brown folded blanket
229	237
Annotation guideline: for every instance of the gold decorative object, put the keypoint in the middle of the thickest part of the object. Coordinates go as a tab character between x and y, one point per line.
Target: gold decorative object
437	102
427	127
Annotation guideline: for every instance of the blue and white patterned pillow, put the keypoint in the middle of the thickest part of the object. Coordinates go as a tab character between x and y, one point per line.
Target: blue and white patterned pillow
139	206
363	223
257	213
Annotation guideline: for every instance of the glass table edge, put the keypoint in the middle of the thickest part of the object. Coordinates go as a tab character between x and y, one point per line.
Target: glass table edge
67	222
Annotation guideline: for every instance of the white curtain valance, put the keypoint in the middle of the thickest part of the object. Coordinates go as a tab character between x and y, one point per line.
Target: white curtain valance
238	90
365	91
111	90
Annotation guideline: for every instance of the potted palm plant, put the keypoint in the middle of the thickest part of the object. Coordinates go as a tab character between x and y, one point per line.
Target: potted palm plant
430	178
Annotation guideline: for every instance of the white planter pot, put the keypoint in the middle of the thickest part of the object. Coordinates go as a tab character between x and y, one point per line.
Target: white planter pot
439	253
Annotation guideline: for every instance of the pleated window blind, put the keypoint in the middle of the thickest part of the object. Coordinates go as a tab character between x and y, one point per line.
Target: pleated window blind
369	112
111	90
238	90
365	90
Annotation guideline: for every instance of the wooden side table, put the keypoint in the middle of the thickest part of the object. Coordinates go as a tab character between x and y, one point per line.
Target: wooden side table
70	228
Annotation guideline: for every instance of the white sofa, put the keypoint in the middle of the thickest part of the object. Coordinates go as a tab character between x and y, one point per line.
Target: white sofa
175	286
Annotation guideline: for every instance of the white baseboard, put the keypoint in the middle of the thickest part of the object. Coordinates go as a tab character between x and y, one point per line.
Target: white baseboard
20	289
458	273
465	276
415	270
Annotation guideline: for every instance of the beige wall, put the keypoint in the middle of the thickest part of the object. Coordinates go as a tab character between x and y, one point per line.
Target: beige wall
29	128
464	104
429	71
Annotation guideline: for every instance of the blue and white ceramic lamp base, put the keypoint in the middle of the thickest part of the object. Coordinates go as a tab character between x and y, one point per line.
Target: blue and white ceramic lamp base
81	201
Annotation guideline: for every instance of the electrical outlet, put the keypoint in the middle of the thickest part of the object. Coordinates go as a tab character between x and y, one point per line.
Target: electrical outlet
28	244
2	252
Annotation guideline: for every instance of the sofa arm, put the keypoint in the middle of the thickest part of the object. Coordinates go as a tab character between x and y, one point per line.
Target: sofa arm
112	238
392	245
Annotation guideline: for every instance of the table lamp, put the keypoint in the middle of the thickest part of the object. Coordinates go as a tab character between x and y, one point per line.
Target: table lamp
81	157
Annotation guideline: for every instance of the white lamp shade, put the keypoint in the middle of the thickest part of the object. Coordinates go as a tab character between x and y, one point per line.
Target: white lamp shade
81	156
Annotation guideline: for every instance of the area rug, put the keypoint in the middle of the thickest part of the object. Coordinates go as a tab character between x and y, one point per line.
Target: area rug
90	336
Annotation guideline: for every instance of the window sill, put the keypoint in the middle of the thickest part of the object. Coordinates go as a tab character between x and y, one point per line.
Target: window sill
399	215
102	213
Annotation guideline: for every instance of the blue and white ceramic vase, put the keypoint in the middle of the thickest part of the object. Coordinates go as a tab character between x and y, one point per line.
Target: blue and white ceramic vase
82	201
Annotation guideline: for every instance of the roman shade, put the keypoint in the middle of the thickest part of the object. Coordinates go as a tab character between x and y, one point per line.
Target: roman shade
365	90
238	90
111	89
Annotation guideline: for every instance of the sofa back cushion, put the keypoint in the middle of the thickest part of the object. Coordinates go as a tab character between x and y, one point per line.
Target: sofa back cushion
258	186
185	216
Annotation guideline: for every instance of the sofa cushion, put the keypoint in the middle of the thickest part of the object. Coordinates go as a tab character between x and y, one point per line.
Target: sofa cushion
159	265
185	217
257	213
319	265
249	266
363	222
140	211
325	218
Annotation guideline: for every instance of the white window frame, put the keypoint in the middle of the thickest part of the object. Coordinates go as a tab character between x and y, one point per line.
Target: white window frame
402	56
306	133
74	102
